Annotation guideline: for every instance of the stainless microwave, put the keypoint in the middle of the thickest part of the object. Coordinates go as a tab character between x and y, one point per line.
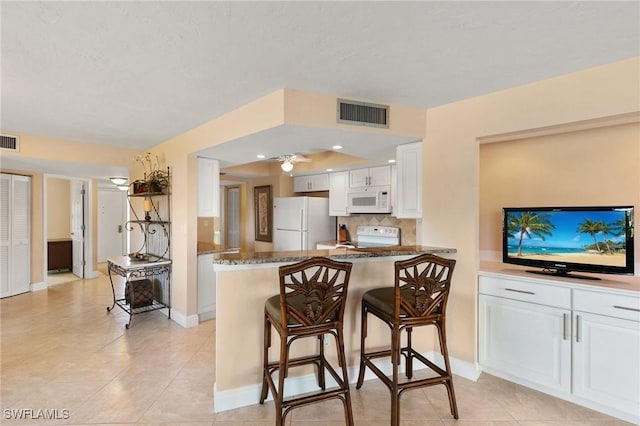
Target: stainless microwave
371	199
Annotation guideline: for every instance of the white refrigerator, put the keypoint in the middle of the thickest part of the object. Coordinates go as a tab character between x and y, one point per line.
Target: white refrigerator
300	222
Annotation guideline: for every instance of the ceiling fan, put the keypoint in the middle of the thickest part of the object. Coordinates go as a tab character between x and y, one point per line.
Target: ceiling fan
289	159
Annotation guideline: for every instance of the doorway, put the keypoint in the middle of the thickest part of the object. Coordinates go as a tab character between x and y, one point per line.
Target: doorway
68	244
232	216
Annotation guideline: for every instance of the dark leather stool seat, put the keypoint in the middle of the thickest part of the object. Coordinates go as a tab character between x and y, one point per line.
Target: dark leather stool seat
311	303
418	298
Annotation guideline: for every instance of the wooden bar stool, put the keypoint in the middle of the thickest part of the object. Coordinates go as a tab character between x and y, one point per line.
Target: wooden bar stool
311	303
418	298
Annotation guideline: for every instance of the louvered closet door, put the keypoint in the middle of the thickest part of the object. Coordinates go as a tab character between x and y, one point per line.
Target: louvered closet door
21	234
15	235
5	195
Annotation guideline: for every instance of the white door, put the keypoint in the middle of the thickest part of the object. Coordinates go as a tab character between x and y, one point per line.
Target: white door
21	235
526	340
77	226
358	178
5	234
606	361
408	190
380	176
338	184
111	220
15	234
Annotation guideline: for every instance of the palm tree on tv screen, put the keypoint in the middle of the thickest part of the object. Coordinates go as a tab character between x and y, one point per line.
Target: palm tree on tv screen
592	228
618	227
527	224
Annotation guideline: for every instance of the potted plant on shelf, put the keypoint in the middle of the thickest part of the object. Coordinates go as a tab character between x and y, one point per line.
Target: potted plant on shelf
155	180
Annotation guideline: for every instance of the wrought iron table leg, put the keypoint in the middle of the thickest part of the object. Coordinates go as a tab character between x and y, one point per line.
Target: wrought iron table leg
113	291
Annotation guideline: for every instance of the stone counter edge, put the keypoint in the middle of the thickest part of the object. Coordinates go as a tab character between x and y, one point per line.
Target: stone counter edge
337	254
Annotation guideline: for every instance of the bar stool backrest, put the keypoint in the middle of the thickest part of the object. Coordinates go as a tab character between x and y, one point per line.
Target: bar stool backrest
314	291
422	286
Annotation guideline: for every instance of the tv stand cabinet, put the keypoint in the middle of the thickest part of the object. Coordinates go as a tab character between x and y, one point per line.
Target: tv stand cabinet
579	341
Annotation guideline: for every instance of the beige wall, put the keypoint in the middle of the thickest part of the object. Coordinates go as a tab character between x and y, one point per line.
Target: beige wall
450	156
58	208
579	168
39	147
451	189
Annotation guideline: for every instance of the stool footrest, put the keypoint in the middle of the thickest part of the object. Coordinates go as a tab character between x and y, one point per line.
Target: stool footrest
272	367
424	360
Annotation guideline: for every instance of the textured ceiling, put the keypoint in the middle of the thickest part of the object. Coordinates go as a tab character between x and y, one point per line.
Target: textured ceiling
135	74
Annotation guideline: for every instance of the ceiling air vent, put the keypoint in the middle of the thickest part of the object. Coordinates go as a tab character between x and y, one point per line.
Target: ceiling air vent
363	114
9	143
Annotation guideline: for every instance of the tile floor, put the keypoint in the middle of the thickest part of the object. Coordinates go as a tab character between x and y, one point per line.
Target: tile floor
63	353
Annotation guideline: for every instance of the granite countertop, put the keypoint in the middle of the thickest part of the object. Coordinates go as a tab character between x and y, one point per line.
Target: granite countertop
248	258
208	248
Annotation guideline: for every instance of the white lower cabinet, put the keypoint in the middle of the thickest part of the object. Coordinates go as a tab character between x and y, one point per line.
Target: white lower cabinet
206	288
606	350
582	345
527	341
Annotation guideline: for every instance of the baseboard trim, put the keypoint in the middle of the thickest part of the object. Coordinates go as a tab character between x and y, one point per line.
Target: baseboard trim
39	286
182	319
250	395
89	275
204	316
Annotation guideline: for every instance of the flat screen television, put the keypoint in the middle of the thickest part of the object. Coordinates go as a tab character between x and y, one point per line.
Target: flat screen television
560	240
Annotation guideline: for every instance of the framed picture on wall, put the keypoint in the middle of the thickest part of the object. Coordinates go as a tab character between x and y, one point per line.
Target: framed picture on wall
262	202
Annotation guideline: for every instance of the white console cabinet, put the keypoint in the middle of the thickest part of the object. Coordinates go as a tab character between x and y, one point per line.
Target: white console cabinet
575	341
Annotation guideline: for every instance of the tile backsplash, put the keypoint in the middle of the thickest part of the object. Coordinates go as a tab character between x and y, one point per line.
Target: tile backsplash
407	226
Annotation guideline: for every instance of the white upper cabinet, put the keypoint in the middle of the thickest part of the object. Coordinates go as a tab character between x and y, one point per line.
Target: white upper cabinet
373	176
311	183
338	185
208	187
408	187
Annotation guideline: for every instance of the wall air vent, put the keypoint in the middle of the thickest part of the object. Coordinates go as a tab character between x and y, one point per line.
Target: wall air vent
363	114
9	143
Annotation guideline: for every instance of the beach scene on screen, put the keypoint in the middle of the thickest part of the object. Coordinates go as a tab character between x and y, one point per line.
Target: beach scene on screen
591	237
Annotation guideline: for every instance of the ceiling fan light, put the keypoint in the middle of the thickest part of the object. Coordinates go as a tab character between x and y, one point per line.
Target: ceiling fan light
286	166
118	180
123	187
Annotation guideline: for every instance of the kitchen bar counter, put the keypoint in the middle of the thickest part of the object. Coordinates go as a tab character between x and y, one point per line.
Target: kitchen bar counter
208	248
244	281
249	258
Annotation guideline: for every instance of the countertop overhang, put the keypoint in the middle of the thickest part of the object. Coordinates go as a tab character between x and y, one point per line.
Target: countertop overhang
253	258
209	248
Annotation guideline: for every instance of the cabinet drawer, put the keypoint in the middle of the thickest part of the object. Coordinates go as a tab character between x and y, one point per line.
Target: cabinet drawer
526	291
613	305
